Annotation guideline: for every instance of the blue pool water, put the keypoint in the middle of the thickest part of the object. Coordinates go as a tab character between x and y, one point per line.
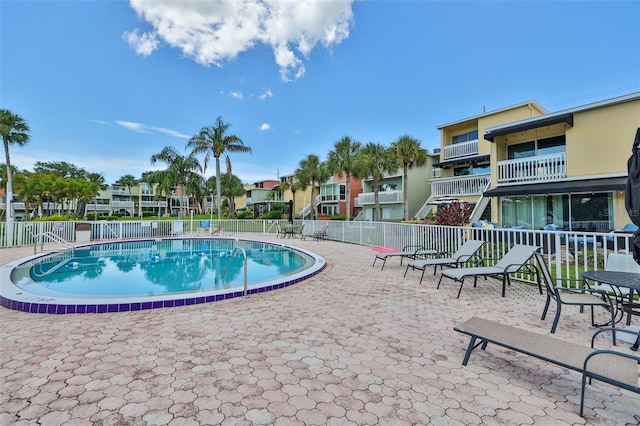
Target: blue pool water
159	270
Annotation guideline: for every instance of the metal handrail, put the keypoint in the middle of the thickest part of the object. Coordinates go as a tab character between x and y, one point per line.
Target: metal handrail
244	254
52	237
63	262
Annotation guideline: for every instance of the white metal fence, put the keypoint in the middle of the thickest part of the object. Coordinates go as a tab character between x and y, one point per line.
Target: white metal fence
570	252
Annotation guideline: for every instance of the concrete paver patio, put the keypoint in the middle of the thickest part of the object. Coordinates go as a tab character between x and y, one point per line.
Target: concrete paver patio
352	345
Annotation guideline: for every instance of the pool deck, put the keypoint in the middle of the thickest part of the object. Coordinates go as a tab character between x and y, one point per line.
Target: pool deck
352	345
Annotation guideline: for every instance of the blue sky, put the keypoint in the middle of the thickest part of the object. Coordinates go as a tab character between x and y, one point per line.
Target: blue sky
105	85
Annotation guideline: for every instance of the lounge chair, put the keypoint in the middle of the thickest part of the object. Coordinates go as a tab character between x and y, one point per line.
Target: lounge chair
465	253
572	296
515	260
321	234
410	251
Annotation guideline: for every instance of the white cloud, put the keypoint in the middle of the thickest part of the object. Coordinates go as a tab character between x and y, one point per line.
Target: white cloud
237	95
214	31
144	44
145	128
267	94
265	126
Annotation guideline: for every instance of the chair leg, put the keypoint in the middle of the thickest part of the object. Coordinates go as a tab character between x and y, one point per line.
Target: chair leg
439	281
422	276
460	289
406	270
557	317
546	308
582	390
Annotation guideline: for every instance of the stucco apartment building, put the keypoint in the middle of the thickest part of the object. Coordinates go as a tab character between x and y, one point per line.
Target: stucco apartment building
523	166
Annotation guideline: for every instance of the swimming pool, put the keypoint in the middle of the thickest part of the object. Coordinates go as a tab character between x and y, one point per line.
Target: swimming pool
148	274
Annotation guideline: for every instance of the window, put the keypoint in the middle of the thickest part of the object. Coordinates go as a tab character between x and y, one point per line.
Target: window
478	169
464	137
553	145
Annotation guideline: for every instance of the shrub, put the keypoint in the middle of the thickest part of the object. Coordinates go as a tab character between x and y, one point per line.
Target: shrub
454	214
337	217
273	214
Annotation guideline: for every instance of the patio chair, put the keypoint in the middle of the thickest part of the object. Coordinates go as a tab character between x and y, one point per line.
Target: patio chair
572	297
465	253
410	251
515	260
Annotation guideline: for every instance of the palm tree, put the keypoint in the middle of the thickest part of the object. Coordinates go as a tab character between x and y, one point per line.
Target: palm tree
214	140
98	184
181	171
128	181
14	130
341	160
408	154
376	160
312	171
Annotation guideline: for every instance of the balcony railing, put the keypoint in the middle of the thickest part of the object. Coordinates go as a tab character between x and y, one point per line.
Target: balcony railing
460	149
122	204
460	185
542	167
385	197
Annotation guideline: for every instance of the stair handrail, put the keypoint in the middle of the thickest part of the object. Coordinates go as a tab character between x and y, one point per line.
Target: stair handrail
244	254
52	237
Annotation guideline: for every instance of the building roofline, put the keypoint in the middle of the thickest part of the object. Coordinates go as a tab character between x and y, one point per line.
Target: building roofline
593	105
496	111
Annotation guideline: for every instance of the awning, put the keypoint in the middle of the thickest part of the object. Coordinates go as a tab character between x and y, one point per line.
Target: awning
532	123
464	160
562	187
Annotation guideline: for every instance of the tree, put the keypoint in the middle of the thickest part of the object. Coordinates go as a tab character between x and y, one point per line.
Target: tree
14	130
342	161
312	171
214	140
128	181
408	154
60	168
96	184
376	160
181	171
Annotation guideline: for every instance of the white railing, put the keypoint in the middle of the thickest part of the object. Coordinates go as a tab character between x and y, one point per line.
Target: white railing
384	197
460	149
122	204
569	251
462	185
539	168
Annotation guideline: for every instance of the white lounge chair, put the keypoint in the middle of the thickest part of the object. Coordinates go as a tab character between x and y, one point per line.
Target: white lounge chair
515	260
465	253
410	251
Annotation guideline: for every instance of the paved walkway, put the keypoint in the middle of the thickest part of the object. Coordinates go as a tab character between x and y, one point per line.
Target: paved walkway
350	346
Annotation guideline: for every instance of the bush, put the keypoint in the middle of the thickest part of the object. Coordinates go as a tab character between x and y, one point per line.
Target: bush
273	214
337	217
245	214
454	214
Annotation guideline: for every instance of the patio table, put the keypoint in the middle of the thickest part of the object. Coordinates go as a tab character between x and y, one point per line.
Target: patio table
628	280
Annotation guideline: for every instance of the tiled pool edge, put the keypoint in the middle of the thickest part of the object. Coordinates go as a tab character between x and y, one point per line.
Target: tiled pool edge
100	308
49	307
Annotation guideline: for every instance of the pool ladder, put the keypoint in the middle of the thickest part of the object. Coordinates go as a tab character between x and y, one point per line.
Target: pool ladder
244	255
51	237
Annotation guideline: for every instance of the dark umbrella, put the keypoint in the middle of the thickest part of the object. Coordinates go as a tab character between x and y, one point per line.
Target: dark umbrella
632	202
290	211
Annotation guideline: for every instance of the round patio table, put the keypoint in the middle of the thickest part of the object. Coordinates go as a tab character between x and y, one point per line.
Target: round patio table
629	280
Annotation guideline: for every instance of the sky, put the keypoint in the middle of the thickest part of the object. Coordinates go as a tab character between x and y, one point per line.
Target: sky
104	85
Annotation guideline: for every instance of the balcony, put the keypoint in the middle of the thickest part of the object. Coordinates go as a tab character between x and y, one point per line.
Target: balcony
153	204
385	197
539	168
122	204
460	185
458	150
